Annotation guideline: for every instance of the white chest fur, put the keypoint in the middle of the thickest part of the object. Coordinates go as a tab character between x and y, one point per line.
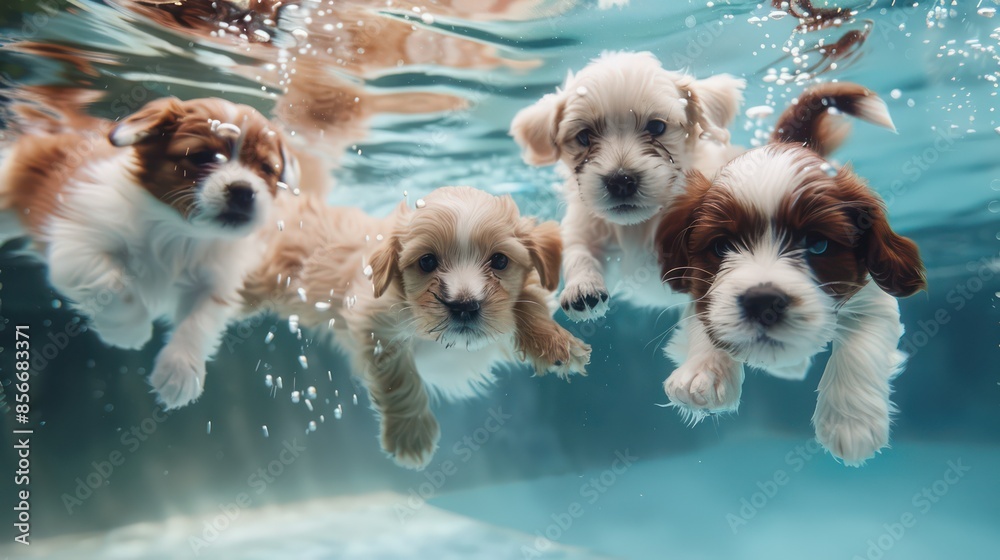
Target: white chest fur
458	373
116	224
632	274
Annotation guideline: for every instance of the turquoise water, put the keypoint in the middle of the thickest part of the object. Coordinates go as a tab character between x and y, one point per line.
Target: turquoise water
551	482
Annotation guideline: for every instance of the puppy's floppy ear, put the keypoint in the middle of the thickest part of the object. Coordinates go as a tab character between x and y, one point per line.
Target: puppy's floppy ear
673	233
535	128
156	115
893	260
544	244
385	265
714	102
385	260
291	174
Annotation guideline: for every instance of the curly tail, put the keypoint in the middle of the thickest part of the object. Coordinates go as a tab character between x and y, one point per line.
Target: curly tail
809	120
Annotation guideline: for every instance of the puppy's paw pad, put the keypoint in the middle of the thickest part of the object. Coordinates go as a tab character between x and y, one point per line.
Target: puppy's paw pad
853	441
585	301
177	378
574	363
411	441
702	387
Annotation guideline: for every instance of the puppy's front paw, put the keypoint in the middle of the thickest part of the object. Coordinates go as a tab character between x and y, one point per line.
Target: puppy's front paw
411	441
851	438
177	378
566	356
585	301
703	386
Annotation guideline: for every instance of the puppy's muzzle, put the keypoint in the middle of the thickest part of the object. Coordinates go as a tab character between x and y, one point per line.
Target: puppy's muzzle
764	305
464	310
239	204
621	184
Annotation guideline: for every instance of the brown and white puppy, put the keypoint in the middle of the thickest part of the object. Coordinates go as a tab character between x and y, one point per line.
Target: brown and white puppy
783	255
427	300
151	219
626	132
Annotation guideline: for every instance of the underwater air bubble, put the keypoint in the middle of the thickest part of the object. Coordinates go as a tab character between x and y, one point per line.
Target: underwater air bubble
311	392
303	361
312	425
268	381
322	305
421	203
338	412
759	112
208	428
263	430
268	337
296	397
293	323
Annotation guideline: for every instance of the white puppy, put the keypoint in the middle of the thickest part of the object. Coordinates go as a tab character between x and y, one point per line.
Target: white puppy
784	254
427	300
626	132
151	219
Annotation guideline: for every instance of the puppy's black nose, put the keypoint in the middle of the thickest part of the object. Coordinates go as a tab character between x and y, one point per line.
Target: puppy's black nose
463	310
764	304
621	184
239	197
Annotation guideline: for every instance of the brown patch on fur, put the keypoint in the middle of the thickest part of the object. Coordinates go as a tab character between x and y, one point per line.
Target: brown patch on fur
843	210
172	135
39	168
673	234
892	260
809	123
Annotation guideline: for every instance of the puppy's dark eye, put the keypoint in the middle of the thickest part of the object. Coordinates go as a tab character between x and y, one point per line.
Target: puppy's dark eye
583	137
268	169
498	261
206	157
656	127
816	244
428	263
722	247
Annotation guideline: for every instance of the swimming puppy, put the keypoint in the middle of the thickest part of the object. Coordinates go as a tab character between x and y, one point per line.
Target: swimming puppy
783	255
428	300
148	219
626	132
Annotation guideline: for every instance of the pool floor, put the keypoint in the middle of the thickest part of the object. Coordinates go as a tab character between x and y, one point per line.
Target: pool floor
751	498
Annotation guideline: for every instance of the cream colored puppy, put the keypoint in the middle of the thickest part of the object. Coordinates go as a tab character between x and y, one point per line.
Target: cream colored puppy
626	132
430	299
